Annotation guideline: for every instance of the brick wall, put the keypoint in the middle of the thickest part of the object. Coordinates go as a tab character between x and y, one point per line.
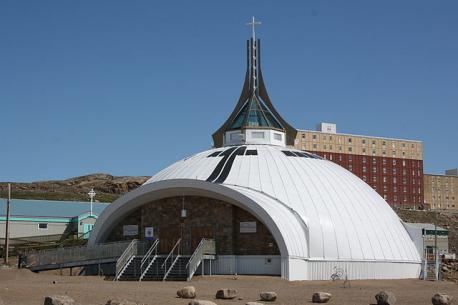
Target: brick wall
206	217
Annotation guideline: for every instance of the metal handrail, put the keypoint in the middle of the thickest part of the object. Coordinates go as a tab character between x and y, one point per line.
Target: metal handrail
206	246
171	252
148	254
75	253
124	259
173	261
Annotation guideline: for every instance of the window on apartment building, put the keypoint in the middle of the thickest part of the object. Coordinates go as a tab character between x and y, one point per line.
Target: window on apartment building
384	161
364	178
413	146
363	141
403	153
340	148
349	149
340	157
384	153
404	172
403	144
394	162
404	180
385	196
350	168
414	181
303	136
330	147
374	178
384	170
314	145
395	180
403	162
374	160
364	169
350	158
394	171
384	179
395	189
395	198
330	138
349	140
364	160
394	153
364	150
373	142
324	146
314	137
374	187
330	157
374	169
405	199
383	143
374	152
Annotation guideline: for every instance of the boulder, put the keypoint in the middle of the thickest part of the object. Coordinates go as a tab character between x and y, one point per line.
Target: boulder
226	294
254	303
59	300
120	302
441	299
201	302
385	298
268	296
321	297
188	292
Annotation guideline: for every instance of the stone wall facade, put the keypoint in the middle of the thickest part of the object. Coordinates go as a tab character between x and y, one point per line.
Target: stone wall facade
205	218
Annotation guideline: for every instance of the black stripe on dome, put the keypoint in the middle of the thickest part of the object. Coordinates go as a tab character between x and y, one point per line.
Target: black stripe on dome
214	154
226	154
227	167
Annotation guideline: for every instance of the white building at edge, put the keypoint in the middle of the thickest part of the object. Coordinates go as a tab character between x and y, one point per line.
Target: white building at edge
319	215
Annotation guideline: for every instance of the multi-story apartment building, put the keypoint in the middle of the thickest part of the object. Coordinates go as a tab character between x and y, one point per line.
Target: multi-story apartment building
441	191
392	167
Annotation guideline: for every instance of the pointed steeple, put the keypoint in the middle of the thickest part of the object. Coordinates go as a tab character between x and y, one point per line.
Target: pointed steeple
254	119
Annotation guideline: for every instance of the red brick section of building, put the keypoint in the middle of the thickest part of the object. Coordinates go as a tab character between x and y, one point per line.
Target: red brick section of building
398	181
392	167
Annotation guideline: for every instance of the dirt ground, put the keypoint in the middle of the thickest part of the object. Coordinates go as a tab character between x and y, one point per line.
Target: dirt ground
22	287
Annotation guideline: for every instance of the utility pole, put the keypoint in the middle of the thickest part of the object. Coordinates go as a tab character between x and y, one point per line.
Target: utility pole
7	224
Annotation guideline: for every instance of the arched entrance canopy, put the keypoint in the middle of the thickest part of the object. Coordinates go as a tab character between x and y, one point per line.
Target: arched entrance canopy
288	230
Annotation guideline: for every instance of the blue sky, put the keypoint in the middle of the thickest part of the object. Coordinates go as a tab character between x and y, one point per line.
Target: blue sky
128	87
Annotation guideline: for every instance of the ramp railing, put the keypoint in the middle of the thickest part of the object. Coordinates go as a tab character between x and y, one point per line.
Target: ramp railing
76	253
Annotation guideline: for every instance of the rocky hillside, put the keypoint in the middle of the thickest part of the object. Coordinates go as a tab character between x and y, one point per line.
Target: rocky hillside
107	187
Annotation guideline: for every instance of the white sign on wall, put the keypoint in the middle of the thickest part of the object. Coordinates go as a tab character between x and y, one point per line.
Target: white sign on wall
130	230
149	232
248	227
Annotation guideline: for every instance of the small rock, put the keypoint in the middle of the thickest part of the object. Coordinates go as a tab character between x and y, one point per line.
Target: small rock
120	302
321	297
441	299
385	298
59	300
268	296
188	292
254	303
201	302
226	294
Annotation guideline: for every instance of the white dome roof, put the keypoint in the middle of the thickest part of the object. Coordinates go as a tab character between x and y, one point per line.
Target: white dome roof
322	211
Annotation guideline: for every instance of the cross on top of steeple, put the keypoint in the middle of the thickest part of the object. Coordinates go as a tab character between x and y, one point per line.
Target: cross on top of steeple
253	24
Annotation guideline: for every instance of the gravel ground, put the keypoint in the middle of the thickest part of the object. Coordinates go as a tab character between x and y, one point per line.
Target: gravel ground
23	287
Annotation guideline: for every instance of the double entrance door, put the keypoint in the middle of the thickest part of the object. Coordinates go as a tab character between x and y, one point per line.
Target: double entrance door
190	238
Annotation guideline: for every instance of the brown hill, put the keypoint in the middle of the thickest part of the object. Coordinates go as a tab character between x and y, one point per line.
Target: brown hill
107	187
